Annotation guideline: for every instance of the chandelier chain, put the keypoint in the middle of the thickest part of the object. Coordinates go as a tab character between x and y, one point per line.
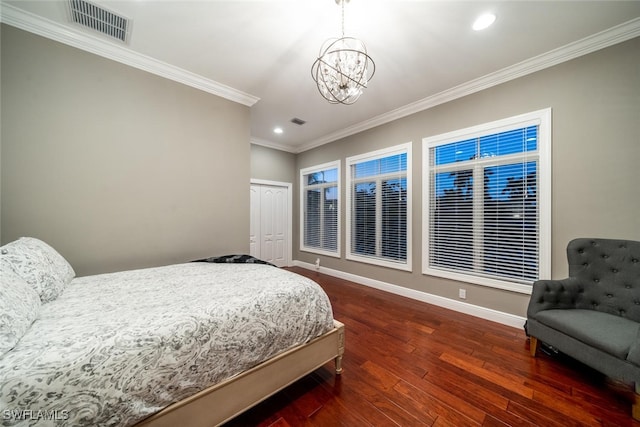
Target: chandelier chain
342	3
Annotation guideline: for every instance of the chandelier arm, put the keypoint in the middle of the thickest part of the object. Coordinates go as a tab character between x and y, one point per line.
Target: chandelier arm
320	80
333	99
340	71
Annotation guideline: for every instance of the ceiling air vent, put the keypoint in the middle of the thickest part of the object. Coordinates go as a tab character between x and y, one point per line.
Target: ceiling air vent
100	19
298	121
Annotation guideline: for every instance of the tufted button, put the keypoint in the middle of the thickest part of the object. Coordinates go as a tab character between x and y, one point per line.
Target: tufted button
605	256
636	302
596	280
585	264
609	295
580	251
628	286
614	270
621	312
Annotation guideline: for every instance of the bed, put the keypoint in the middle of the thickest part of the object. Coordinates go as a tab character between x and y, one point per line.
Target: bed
191	344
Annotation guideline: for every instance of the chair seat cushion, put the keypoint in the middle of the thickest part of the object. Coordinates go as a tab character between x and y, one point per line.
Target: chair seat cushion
607	332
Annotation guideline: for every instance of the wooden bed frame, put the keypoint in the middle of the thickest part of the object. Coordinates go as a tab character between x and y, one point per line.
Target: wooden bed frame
222	402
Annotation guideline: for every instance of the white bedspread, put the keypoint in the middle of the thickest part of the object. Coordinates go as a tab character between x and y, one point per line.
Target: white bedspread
115	348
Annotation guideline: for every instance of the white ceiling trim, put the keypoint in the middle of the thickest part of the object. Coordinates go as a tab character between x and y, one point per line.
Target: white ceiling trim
601	40
52	30
274	145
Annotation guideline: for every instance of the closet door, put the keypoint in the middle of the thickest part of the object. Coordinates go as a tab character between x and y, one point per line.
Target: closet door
273	224
269	229
254	225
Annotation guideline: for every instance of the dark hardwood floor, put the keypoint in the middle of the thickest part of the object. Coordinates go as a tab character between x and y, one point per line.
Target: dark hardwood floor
408	363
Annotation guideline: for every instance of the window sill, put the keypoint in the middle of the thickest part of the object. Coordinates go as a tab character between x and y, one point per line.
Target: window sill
320	252
482	281
404	266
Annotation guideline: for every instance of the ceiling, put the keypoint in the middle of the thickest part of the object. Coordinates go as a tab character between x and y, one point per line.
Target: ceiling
260	53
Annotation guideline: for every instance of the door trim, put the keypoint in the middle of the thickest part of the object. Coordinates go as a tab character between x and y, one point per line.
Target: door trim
289	187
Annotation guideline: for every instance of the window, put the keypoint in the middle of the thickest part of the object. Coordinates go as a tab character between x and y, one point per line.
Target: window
379	207
486	193
319	207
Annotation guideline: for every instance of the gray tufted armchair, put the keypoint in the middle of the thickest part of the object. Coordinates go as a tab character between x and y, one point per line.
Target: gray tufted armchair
594	315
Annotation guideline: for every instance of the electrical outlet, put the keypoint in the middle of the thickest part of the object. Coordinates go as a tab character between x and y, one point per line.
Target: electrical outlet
317	263
462	293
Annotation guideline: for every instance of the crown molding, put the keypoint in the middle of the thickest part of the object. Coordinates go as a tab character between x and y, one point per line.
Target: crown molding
614	35
32	23
274	145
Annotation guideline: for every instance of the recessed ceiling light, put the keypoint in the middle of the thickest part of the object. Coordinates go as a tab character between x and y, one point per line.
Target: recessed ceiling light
277	130
484	21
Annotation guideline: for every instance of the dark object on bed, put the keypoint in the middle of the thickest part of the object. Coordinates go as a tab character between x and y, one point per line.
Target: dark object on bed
234	259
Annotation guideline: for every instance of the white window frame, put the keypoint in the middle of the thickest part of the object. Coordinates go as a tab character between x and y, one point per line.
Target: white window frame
303	187
541	118
350	161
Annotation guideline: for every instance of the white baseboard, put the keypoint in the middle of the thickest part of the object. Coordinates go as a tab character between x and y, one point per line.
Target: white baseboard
462	307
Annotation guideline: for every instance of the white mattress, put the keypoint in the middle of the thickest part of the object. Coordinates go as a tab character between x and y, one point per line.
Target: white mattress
115	348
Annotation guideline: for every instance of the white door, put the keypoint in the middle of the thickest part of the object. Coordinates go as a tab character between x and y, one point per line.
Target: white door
254	224
269	228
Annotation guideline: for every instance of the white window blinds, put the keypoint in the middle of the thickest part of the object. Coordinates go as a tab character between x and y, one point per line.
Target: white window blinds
485	208
320	209
378	209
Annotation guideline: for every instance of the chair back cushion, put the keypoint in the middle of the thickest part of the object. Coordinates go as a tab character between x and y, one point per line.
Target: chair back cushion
609	274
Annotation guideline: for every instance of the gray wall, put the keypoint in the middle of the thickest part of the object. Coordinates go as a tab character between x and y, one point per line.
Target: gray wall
596	157
115	167
273	165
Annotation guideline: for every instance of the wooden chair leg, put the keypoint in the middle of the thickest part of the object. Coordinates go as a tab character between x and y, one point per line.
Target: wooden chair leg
635	408
533	346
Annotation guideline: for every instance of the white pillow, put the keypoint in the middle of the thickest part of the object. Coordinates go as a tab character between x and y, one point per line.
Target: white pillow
19	307
39	265
57	261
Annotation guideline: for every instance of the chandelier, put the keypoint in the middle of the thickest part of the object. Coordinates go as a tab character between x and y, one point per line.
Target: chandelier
343	68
